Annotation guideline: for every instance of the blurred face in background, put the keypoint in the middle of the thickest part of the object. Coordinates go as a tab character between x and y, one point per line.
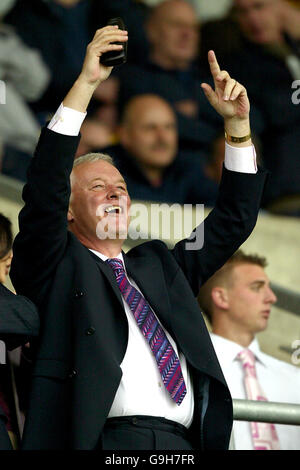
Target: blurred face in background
259	20
149	131
174	34
5	263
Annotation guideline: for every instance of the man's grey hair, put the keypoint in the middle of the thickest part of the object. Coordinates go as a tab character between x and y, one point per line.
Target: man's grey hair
93	157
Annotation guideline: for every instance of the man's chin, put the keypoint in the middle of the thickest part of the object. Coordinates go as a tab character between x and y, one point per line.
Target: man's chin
112	234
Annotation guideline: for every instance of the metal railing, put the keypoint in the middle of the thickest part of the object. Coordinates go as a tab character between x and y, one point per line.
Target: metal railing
266	412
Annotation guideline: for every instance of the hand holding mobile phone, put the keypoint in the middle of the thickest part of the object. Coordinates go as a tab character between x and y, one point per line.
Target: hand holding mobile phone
113	58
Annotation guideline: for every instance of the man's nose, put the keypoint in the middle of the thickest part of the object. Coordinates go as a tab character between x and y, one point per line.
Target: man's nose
270	296
113	192
162	135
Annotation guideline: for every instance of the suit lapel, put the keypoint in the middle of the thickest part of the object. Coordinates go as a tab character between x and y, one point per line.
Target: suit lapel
108	273
149	277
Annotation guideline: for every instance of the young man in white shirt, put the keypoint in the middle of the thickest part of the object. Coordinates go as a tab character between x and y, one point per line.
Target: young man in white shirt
237	301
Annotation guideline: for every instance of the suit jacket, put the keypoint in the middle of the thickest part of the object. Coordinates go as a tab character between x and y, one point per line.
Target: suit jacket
84	328
18	322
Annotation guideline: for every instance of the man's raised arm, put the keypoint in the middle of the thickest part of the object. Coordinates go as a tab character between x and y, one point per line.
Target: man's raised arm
234	216
41	241
93	72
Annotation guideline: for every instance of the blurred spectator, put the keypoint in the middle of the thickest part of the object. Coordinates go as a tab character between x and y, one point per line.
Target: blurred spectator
24	78
173	32
18	321
266	34
212	9
60	30
205	10
237	300
94	135
149	159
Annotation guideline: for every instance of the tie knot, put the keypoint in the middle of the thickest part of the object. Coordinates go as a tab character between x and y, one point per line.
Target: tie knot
247	358
116	265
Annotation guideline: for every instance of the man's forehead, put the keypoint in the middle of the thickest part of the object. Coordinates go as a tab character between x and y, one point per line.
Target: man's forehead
97	170
249	272
175	8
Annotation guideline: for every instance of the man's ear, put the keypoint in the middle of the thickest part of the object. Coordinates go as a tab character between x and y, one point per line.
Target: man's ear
220	297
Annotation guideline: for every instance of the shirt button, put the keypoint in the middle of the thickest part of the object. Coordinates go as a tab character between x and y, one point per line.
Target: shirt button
72	374
159	384
90	331
78	294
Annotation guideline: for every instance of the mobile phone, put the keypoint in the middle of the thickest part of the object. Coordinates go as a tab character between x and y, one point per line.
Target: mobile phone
113	58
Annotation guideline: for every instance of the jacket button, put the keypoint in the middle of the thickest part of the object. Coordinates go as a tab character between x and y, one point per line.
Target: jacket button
72	374
78	294
90	331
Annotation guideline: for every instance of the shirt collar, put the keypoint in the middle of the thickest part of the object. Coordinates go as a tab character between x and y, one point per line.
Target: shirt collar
228	350
104	257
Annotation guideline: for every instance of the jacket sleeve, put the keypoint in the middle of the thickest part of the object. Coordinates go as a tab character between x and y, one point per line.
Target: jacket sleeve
19	318
43	233
224	230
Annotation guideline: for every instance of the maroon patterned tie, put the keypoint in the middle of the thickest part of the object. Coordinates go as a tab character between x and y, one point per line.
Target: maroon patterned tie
166	358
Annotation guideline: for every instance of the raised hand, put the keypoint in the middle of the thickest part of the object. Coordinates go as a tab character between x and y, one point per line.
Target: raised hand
229	98
93	71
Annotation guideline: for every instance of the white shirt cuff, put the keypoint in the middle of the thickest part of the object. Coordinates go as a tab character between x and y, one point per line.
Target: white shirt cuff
66	121
240	159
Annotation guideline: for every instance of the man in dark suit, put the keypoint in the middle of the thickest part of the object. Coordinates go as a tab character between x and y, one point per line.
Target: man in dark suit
96	382
18	322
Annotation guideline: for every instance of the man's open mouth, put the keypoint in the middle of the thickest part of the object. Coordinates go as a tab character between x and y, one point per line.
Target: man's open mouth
113	210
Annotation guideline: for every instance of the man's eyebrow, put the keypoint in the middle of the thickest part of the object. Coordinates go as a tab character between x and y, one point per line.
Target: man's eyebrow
258	282
99	178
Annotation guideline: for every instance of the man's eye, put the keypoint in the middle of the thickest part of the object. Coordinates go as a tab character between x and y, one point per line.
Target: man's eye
257	287
98	186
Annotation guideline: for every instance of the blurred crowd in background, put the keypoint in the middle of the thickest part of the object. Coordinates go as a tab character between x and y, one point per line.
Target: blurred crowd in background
151	116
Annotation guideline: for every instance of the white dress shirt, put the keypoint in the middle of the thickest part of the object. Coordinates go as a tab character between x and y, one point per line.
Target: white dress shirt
141	390
279	380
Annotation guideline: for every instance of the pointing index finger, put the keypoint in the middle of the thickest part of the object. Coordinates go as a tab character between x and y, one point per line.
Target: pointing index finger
213	64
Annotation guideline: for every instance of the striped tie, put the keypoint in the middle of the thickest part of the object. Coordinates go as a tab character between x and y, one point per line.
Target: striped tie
264	435
166	358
